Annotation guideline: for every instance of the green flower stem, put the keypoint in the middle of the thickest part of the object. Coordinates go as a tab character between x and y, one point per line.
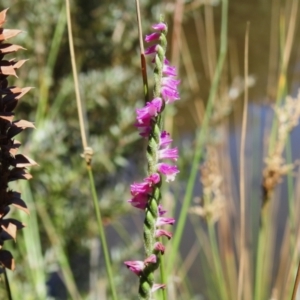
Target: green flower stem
101	233
162	273
151	211
217	261
200	140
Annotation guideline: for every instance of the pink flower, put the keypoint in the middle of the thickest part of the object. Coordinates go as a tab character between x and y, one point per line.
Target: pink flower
162	232
153	179
168	153
169	70
170	82
137	266
159	26
139	201
165	139
164	221
161	211
152	37
137	188
168	170
157	286
151	50
169	95
144	128
159	247
150	110
141	191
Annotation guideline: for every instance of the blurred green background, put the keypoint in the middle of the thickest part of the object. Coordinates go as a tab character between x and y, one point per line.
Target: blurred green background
61	230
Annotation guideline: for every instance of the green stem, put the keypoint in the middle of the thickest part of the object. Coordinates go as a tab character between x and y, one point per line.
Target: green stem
216	258
296	284
162	274
101	233
7	286
48	70
290	186
33	244
200	140
262	272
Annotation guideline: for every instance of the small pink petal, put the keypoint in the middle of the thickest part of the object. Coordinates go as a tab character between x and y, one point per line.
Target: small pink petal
136	266
162	232
168	170
164	221
159	26
139	201
157	286
161	211
168	154
152	37
165	139
151	259
153	179
151	50
159	247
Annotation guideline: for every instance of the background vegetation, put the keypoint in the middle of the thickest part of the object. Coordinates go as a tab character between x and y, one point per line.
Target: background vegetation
58	255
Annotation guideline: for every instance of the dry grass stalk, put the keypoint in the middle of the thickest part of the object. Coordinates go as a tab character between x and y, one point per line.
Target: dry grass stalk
211	179
288	118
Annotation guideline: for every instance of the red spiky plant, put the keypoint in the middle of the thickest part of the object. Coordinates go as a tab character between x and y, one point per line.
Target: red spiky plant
12	165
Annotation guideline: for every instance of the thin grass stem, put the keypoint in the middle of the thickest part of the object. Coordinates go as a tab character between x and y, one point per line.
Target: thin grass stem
242	174
101	233
287	44
88	157
48	70
32	243
296	284
217	261
200	140
7	286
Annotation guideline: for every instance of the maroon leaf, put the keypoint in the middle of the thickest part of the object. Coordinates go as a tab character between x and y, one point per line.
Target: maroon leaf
7	116
13	131
23	161
10	229
18	173
13	148
7	260
10	226
17	127
17	202
19	225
